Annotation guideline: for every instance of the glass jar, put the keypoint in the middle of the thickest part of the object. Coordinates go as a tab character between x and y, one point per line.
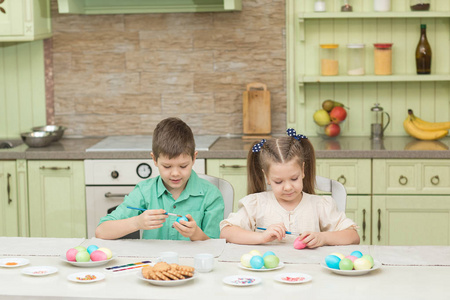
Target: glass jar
422	5
346	5
381	5
329	64
383	59
319	6
355	59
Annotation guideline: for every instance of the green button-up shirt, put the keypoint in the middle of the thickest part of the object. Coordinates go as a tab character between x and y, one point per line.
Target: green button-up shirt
200	198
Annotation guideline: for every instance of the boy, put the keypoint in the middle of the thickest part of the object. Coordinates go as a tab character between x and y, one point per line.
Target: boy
176	190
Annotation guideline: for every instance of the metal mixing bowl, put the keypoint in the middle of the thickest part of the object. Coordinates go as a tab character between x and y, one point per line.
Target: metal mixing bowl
37	138
57	131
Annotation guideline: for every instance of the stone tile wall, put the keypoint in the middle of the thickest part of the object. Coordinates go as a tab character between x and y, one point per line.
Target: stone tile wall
122	74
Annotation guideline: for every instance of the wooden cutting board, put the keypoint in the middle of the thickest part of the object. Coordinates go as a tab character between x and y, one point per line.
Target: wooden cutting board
256	110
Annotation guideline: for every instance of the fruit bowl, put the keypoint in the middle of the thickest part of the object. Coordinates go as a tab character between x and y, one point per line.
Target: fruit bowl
331	130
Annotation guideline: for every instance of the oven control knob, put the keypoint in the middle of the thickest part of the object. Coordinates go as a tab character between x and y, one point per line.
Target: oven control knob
144	170
114	174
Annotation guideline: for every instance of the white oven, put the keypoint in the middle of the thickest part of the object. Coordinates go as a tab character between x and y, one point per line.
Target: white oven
108	181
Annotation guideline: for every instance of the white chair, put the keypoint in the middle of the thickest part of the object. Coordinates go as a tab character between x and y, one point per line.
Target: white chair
337	190
225	188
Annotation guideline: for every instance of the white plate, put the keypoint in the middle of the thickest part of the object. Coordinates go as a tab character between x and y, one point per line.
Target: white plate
13	262
165	282
39	271
87	264
292	278
81	277
242	280
376	265
280	265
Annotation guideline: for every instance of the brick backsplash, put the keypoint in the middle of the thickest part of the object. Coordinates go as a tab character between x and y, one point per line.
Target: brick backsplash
122	74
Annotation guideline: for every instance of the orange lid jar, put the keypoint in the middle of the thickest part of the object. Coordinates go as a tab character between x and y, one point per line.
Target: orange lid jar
329	64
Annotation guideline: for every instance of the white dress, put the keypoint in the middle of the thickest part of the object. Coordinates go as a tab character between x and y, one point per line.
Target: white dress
313	213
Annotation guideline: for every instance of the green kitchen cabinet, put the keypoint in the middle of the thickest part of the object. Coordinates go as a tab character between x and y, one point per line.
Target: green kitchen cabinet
233	171
25	20
9	207
359	209
57	202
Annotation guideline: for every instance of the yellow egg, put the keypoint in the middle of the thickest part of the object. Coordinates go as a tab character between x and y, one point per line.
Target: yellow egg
362	264
106	251
340	255
245	260
255	252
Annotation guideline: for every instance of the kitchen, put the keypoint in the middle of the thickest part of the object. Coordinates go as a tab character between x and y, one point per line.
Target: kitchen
119	74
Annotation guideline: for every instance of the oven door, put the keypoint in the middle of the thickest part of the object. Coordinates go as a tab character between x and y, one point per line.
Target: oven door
100	201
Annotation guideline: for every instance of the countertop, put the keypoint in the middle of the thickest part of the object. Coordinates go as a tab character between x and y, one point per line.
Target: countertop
235	147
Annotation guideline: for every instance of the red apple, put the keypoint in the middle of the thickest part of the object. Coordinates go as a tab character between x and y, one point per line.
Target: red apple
338	114
332	129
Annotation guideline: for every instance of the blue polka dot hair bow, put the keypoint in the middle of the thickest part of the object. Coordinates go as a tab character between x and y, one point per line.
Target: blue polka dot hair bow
257	147
291	132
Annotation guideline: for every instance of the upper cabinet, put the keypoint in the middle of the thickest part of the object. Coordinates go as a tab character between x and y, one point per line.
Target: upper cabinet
90	7
24	20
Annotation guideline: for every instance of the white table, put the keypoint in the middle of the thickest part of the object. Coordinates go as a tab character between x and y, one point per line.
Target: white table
388	282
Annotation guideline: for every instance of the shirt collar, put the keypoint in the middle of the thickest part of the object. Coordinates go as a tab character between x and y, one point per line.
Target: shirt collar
193	187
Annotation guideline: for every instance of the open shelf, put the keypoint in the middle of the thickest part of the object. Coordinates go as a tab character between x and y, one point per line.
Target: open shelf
356	15
374	78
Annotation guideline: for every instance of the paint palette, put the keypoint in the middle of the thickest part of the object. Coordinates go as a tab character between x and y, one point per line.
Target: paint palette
128	267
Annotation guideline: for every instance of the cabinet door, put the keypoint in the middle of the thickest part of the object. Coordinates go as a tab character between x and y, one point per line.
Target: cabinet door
57	199
359	210
233	171
11	18
411	220
9	219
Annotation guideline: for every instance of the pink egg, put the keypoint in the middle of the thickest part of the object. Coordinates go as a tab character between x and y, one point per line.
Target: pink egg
298	244
351	257
98	255
71	254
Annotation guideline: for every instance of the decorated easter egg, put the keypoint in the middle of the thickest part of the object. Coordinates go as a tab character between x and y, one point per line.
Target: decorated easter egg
340	255
71	254
82	256
91	248
358	254
255	252
351	257
98	255
245	260
271	261
80	248
298	244
345	264
332	261
268	253
107	252
362	264
369	258
257	262
183	218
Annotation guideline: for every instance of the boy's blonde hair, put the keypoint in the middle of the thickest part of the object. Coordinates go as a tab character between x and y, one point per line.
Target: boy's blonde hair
172	137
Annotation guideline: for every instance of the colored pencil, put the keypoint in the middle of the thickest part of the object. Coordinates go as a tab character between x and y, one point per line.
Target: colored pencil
287	232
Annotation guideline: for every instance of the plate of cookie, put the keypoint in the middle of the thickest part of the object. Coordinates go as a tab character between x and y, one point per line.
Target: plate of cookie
167	275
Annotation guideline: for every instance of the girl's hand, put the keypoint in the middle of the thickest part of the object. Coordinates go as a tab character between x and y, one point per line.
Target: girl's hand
273	232
186	229
312	239
151	219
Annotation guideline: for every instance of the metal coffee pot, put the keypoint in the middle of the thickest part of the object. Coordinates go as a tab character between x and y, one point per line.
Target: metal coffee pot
376	128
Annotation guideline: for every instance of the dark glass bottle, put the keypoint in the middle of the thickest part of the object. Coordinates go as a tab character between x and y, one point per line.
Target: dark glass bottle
423	52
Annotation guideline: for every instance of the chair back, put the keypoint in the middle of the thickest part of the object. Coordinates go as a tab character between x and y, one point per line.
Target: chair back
225	188
337	190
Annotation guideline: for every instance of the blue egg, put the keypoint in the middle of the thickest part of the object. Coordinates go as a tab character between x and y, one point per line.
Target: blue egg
358	254
91	248
257	262
182	218
268	253
332	261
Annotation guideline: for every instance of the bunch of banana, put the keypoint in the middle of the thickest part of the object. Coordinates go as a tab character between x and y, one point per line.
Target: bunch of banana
423	130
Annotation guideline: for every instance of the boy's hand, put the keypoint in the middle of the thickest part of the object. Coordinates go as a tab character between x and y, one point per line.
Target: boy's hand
273	232
312	239
186	229
151	219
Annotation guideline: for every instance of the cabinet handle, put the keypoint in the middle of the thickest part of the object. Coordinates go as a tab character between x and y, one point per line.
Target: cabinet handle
403	180
379	224
8	188
232	166
364	224
344	180
435	180
111	195
54	168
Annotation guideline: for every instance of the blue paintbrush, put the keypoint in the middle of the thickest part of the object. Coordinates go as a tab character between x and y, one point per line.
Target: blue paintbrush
142	209
287	232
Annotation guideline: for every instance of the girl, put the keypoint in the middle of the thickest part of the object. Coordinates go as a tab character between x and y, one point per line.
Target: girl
288	166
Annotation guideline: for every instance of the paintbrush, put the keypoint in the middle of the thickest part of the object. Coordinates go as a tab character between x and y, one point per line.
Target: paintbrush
287	232
142	209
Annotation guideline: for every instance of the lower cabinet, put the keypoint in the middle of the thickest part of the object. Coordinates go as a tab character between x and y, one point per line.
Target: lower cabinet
57	205
9	206
358	209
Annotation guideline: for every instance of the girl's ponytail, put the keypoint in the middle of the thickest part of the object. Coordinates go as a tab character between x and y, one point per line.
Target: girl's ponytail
309	182
256	181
